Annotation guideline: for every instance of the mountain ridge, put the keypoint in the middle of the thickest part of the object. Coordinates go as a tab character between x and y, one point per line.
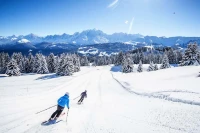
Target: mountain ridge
94	36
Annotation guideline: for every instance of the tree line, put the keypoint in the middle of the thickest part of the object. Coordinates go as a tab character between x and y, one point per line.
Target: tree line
67	64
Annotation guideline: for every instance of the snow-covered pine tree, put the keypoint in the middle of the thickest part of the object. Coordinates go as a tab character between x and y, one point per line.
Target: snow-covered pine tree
84	61
100	61
18	57
155	67
179	56
76	62
119	59
22	65
141	57
151	67
191	55
69	66
127	64
60	69
36	62
42	69
51	62
57	60
140	67
66	66
1	61
30	63
26	64
12	68
171	56
165	62
4	59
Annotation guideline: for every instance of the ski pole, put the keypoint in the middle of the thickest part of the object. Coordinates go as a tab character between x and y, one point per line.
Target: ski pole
45	109
76	97
67	116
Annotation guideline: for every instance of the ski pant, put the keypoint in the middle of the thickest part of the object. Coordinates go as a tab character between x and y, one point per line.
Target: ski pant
57	112
81	100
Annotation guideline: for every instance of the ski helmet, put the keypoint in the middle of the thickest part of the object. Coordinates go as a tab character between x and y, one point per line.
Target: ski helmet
67	93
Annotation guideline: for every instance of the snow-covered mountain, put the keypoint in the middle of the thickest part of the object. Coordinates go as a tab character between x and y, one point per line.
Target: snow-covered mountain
94	36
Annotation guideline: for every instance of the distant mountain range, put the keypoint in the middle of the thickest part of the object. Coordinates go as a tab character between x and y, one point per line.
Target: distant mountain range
91	40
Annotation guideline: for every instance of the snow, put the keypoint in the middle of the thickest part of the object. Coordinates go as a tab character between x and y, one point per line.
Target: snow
23	41
110	105
129	42
103	54
150	47
165	84
85	38
12	39
91	50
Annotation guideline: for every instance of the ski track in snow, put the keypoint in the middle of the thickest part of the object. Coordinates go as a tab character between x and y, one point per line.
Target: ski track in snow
161	96
107	109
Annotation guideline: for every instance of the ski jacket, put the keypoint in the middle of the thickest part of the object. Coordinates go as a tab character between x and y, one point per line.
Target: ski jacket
84	94
64	101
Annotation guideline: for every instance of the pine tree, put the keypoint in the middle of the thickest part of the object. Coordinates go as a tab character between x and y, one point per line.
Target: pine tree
18	57
60	69
22	65
69	66
66	66
165	62
84	61
171	56
191	55
51	62
30	63
4	60
42	69
76	63
141	57
155	67
127	64
151	67
140	67
36	63
12	68
26	64
119	59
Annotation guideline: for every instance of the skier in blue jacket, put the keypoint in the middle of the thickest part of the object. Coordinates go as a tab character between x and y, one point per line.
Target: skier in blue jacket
62	102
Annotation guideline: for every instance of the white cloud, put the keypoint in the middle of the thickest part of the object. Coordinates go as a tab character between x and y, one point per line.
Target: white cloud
113	4
130	26
126	22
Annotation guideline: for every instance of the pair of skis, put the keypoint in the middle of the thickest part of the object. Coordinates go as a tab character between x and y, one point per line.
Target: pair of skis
48	122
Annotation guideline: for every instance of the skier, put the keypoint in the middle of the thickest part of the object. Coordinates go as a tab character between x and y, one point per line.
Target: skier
83	95
62	102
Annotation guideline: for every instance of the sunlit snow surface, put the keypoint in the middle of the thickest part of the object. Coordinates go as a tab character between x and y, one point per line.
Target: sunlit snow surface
116	102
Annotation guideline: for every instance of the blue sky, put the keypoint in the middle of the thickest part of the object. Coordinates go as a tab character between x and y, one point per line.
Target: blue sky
146	17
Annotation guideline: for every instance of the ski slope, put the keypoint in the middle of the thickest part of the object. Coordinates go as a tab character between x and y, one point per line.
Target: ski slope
116	102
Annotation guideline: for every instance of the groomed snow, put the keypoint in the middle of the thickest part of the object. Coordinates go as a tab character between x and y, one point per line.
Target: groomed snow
111	107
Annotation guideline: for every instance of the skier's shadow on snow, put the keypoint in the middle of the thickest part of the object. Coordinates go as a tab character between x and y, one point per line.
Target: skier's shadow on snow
116	69
48	77
3	76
